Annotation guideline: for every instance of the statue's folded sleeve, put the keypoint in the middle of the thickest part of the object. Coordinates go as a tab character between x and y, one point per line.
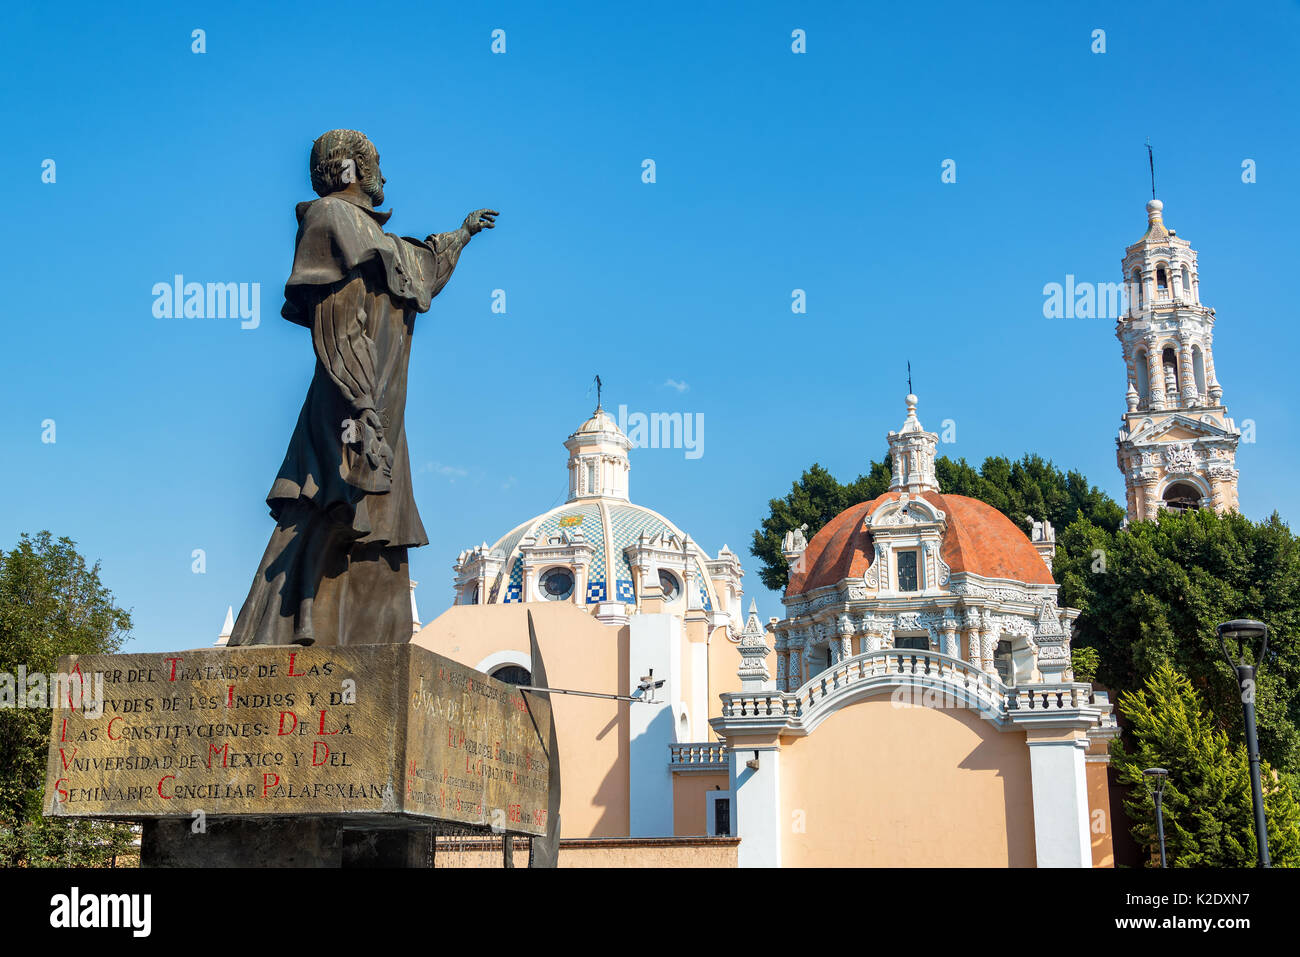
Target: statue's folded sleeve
335	238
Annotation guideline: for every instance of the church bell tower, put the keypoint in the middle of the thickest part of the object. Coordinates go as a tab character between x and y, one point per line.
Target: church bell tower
1177	447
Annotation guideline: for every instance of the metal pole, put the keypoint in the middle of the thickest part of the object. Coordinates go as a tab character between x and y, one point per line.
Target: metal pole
1160	826
1246	680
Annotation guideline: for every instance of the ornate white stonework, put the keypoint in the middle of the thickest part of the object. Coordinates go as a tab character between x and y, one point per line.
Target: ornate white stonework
995	624
1176	446
912	450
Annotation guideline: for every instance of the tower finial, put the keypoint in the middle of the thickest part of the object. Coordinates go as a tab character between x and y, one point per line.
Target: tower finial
909	377
1151	161
598	390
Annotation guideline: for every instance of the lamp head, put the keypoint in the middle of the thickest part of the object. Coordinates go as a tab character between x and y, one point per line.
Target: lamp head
1245	634
1156	778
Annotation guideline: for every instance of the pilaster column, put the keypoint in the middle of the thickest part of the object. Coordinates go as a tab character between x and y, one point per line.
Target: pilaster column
759	822
1155	375
974	652
988	639
1059	782
1186	374
1150	503
950	647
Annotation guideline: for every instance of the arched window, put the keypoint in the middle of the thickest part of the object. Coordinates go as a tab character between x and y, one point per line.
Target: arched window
1143	377
1162	279
1198	369
513	675
1187	283
1182	497
1169	369
1135	288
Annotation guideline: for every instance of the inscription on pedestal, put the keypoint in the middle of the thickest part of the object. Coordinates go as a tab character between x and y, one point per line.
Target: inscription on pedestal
379	730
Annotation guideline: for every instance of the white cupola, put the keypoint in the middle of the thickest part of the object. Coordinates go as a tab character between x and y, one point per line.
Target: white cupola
598	463
912	449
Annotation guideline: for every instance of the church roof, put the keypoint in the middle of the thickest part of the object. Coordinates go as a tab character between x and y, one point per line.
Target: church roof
979	539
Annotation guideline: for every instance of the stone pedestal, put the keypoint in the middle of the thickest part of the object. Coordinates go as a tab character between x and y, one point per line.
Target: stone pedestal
283	842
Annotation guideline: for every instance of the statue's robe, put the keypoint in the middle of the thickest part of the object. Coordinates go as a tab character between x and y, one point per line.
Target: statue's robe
335	571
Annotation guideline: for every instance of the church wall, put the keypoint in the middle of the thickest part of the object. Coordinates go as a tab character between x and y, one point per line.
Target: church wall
689	806
580	653
1101	826
724	662
875	785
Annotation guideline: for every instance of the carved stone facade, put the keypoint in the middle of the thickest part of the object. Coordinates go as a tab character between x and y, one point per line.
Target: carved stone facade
1177	446
909	596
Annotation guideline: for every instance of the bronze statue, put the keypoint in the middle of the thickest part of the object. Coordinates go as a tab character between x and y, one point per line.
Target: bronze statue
335	571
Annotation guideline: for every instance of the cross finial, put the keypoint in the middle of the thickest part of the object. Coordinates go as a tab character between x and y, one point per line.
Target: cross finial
909	377
1151	161
598	388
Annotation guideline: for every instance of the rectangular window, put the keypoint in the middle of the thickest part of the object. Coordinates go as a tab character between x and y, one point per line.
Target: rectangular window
913	642
907	571
722	817
1002	661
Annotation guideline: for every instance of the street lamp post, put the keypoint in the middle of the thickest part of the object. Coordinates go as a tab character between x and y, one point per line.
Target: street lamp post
1245	633
1157	777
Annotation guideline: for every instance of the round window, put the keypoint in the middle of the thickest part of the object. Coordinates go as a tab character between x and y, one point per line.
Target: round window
669	585
557	584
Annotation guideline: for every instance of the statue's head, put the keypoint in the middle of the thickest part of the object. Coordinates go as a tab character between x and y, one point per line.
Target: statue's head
342	157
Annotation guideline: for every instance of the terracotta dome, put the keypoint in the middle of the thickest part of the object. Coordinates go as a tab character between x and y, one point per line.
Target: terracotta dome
979	539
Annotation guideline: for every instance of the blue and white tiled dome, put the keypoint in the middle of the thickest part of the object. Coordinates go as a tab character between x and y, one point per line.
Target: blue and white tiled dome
598	549
610	527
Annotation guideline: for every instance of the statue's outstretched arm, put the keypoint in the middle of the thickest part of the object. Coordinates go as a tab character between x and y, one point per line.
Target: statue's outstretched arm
447	246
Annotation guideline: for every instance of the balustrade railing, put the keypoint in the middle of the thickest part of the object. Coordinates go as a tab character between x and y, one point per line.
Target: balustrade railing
928	669
698	754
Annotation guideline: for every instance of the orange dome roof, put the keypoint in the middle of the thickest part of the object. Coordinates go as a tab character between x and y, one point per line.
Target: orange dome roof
979	539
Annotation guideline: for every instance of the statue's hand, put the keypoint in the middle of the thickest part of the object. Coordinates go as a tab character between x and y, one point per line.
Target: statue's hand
379	455
480	219
367	456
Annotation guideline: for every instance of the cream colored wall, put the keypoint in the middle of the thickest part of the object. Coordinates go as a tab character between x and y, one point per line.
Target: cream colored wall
690	810
883	786
582	654
640	852
724	661
1101	826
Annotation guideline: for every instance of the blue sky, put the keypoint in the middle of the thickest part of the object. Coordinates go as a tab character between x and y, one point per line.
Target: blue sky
775	171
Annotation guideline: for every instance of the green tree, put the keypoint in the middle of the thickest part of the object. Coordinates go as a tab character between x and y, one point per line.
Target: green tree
1030	486
51	604
1153	594
1208	816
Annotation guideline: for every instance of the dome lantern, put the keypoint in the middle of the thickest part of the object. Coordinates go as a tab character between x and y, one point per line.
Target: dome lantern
598	461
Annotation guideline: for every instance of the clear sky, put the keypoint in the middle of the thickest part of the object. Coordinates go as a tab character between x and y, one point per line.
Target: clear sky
775	171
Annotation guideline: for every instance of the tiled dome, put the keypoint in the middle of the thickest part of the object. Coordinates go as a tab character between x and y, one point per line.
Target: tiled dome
979	539
609	526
